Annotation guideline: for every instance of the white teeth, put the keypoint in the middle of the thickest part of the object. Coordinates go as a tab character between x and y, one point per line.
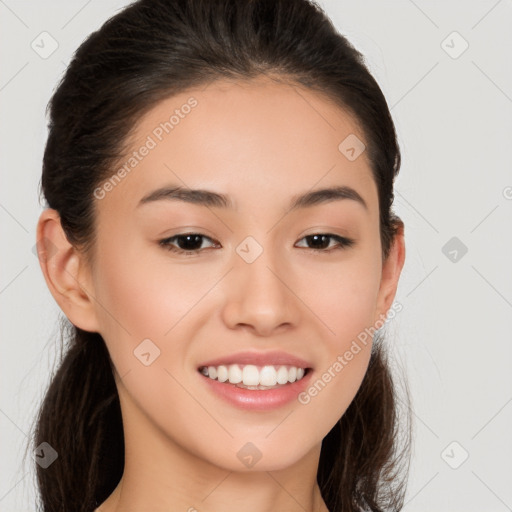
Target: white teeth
253	376
250	375
282	375
222	373
235	374
212	372
268	376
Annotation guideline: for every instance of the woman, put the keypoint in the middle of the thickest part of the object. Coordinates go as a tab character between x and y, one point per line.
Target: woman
219	234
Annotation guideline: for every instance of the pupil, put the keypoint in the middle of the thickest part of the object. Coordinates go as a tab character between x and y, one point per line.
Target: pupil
317	237
190	245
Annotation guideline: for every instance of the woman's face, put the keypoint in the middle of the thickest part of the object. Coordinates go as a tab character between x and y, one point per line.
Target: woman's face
252	282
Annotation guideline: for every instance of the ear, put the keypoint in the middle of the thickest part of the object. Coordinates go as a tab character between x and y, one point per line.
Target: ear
66	273
391	270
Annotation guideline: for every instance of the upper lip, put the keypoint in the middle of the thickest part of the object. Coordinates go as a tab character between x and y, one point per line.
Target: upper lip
272	358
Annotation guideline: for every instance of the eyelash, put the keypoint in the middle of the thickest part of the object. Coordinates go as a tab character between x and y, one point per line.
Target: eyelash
343	243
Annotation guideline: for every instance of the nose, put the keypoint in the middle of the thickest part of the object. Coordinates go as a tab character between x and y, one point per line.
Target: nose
260	297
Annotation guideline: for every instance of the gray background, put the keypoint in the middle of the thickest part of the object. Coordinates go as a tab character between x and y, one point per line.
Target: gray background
453	115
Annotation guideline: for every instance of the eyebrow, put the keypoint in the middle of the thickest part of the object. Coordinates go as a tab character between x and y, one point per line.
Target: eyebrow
214	199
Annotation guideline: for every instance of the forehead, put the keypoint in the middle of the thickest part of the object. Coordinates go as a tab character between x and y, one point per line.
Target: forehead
258	139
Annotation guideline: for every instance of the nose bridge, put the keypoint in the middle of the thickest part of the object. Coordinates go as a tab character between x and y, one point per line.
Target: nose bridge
259	296
257	266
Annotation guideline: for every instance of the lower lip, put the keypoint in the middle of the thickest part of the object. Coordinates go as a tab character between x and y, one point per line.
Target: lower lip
258	399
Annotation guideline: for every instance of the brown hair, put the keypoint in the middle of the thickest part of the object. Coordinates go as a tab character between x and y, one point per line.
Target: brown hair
148	52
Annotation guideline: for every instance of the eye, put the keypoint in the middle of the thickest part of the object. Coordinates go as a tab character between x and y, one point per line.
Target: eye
190	243
321	241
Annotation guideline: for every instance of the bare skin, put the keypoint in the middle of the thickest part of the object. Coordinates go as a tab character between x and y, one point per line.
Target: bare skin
261	143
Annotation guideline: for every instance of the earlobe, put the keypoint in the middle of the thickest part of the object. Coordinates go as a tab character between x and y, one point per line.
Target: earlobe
65	272
391	270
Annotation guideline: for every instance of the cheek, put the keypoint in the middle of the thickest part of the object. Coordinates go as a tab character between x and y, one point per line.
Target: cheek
343	296
345	302
146	299
336	384
144	295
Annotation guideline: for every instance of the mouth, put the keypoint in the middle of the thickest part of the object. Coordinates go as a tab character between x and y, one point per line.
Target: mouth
255	377
253	387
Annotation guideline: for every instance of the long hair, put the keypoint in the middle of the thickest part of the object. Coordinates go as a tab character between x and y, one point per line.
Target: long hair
149	51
